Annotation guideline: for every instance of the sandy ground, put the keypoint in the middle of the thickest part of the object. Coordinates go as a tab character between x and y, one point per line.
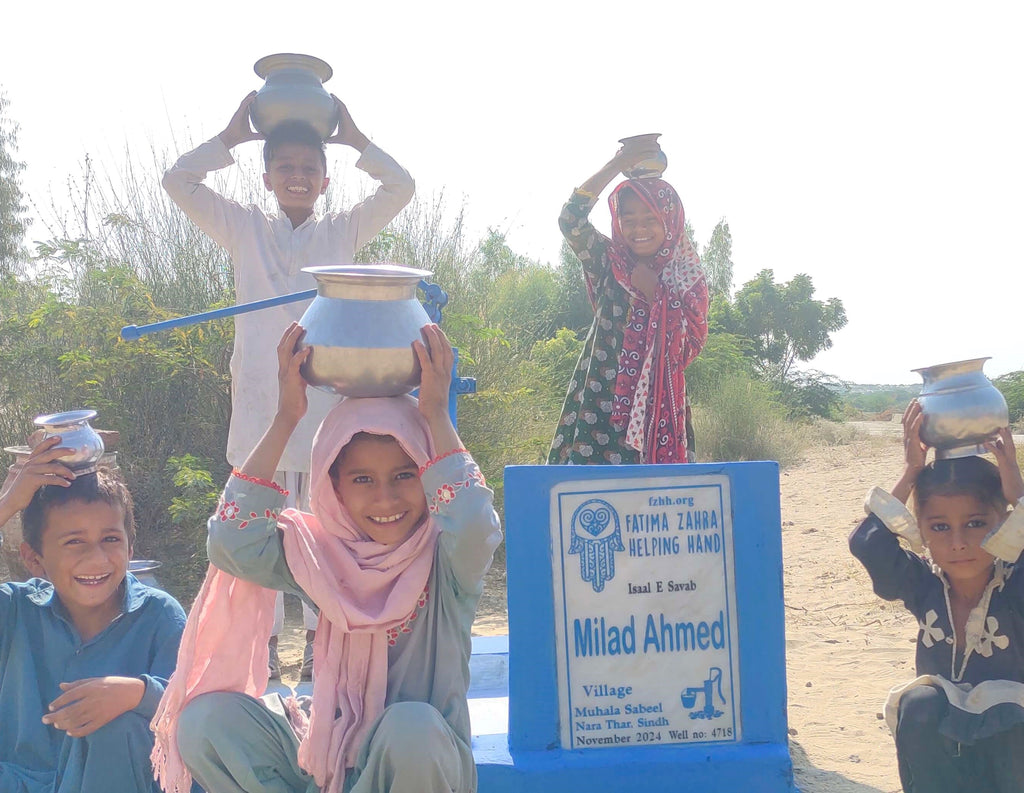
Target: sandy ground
845	647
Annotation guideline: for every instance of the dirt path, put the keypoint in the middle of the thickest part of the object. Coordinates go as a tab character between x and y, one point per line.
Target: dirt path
845	647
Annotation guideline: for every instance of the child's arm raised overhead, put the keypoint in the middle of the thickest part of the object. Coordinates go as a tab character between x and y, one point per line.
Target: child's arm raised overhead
436	359
292	404
43	467
457	497
895	572
215	215
243	537
239	130
1007	540
587	242
397	187
622	161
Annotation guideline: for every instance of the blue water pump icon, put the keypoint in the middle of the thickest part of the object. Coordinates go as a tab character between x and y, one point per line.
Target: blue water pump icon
689	696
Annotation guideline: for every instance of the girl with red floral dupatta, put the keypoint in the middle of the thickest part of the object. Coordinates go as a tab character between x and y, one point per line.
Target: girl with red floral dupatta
627	400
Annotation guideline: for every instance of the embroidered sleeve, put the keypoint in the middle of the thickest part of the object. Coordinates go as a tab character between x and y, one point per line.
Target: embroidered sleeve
247	499
440	457
243	537
406	624
460	501
439	497
1007	540
895	515
258	481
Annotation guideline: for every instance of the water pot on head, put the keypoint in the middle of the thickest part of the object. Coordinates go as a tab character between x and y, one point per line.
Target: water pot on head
361	326
75	433
293	91
961	407
654	165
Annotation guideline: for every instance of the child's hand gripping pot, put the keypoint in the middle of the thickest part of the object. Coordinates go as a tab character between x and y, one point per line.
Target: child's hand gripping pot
436	359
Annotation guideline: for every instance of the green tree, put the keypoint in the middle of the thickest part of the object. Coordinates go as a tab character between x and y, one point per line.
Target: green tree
813	393
577	314
782	321
716	259
1012	387
12	207
724	355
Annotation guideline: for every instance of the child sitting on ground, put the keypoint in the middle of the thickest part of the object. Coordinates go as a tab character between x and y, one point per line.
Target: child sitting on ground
627	400
959	726
85	649
268	254
394	553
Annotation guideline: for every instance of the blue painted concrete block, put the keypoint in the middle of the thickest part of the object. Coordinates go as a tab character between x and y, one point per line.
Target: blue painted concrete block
751	753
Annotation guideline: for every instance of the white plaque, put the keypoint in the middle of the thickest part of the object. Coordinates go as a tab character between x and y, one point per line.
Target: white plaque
645	612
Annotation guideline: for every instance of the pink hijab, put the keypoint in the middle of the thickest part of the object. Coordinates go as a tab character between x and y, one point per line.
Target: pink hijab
362	588
661	339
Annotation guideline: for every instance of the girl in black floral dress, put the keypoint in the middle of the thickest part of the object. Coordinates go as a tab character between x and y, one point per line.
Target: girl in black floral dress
627	399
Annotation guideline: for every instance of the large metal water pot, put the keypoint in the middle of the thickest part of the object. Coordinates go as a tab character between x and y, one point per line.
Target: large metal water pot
961	407
361	326
293	91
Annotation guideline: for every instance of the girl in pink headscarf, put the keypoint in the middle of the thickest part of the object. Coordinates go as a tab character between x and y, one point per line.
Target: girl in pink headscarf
627	399
393	555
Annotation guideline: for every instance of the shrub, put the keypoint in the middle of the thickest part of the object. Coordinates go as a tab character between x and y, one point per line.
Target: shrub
741	420
167	394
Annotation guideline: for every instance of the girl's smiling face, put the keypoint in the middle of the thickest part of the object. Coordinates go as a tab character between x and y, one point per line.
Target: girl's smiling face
379	485
953	527
642	230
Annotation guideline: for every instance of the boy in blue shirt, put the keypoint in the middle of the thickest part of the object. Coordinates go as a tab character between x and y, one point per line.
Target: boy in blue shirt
85	649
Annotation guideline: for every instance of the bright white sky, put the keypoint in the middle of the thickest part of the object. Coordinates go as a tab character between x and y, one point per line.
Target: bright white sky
876	146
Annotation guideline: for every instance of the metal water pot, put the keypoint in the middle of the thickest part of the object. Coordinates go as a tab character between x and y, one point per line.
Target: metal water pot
145	571
961	407
654	165
75	433
361	326
293	91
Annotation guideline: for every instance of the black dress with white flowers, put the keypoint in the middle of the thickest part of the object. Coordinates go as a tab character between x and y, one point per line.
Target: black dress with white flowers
585	435
984	681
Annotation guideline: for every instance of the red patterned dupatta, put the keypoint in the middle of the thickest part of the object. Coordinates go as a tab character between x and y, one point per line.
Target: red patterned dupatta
661	339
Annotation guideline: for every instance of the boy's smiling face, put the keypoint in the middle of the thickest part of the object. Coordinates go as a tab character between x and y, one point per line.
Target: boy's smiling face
296	177
84	553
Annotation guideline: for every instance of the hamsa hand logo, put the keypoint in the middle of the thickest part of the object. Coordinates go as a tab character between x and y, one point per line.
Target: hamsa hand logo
596	536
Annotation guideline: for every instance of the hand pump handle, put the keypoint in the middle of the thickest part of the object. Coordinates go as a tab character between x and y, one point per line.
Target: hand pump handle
436	300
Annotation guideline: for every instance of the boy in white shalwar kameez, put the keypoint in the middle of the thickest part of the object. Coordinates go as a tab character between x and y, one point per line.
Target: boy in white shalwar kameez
268	253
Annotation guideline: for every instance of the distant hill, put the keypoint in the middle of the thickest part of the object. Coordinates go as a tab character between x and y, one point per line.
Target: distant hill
879	397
